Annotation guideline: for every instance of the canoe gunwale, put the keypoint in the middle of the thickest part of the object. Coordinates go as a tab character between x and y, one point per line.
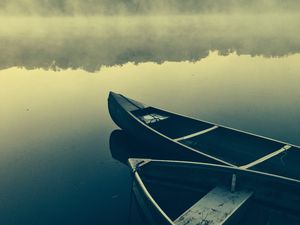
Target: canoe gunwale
254	172
148	195
185	146
230	128
182	146
214	168
218	125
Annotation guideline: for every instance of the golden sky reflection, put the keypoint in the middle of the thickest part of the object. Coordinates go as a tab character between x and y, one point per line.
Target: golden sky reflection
38	105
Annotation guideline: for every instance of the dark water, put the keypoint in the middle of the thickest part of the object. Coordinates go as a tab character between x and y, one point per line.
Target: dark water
62	162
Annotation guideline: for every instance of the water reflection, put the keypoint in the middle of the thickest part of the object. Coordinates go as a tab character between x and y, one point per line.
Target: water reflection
92	42
123	146
56	166
255	94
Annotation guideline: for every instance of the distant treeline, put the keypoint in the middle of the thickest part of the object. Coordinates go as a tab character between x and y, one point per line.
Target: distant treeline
112	7
92	42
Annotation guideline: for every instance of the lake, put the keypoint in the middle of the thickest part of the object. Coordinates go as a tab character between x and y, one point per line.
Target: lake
62	158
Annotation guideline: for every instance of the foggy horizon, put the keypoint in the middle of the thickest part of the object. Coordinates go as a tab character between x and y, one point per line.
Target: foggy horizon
89	43
142	7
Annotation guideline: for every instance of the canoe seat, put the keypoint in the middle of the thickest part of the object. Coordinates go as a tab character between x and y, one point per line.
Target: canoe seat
219	206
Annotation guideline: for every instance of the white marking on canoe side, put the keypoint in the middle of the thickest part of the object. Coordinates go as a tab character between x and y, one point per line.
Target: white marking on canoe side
219	206
196	134
266	157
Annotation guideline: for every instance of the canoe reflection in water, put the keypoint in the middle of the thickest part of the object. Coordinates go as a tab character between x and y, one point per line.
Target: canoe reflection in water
123	146
166	190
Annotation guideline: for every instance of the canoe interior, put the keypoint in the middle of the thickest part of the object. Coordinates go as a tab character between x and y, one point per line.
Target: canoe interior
173	126
174	200
218	206
232	146
274	201
226	144
285	164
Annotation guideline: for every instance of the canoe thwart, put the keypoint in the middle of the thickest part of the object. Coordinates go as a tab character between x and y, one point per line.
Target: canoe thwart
266	157
196	134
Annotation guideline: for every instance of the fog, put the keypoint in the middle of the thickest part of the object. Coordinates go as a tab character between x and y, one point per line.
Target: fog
91	42
89	34
111	7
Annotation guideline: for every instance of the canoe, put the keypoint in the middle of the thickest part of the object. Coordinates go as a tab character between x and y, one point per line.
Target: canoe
221	194
179	137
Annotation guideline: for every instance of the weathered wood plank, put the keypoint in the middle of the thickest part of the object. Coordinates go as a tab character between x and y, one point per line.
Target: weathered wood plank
219	206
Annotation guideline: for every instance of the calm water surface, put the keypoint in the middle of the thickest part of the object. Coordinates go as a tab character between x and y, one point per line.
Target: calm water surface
62	160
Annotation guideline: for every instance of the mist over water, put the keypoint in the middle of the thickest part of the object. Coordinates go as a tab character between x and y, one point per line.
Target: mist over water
91	34
92	42
142	7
